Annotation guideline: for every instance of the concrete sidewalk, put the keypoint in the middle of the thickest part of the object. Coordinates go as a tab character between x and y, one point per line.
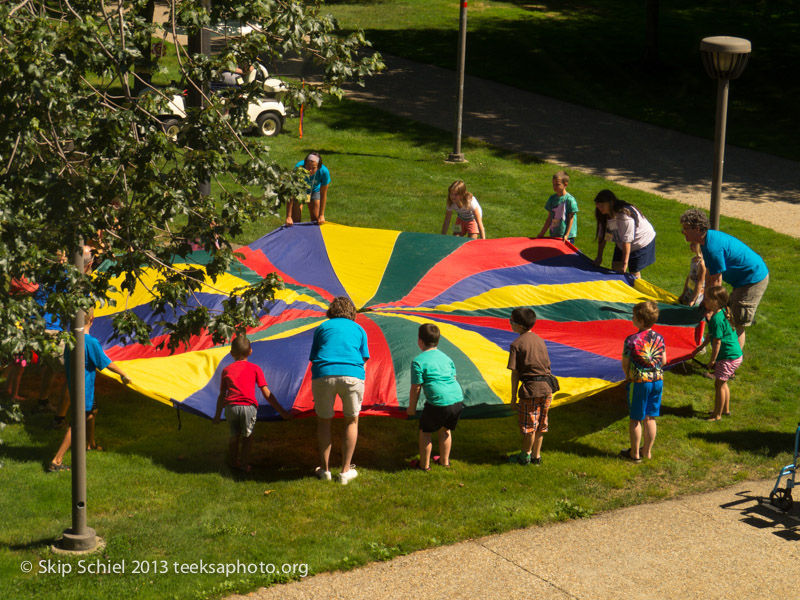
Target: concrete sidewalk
718	545
757	187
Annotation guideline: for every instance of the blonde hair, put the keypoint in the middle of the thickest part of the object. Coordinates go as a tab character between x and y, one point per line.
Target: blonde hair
458	194
698	251
562	177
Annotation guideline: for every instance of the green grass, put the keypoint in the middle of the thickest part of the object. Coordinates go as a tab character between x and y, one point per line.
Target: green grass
591	53
163	494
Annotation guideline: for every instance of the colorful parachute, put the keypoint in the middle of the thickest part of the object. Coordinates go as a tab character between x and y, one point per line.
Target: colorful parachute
398	281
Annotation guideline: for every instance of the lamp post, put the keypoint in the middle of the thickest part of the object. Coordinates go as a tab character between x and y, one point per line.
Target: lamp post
457	156
724	58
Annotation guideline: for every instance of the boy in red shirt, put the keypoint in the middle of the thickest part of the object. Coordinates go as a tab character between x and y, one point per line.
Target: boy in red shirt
237	396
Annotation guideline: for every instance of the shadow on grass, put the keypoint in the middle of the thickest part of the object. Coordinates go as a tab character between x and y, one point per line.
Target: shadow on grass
129	424
752	441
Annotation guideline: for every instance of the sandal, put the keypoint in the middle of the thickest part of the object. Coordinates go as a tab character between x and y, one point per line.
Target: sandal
626	455
54	468
438	461
414	464
97	448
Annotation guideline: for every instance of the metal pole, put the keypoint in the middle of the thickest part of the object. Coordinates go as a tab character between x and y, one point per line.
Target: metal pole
80	537
719	151
457	155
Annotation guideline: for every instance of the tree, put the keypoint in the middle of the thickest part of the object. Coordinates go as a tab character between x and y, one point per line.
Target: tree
83	159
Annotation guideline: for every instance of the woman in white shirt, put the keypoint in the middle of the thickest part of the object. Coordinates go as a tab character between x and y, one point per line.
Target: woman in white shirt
632	234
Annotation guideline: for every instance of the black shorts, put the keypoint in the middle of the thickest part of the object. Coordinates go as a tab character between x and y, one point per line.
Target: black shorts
435	417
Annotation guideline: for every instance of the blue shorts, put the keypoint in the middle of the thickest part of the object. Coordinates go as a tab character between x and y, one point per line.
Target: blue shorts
644	399
638	259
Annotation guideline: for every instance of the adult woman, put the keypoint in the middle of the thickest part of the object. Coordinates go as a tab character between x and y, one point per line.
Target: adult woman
338	354
318	180
633	235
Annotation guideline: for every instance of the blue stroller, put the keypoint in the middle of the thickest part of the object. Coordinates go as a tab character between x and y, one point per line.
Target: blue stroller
781	498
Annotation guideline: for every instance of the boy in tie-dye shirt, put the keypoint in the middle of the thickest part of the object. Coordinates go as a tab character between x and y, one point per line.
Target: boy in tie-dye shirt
643	358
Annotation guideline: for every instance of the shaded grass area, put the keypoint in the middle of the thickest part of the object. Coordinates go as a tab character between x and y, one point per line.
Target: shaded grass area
160	493
592	54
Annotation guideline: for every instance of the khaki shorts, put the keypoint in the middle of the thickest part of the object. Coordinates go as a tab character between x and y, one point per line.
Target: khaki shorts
744	302
325	390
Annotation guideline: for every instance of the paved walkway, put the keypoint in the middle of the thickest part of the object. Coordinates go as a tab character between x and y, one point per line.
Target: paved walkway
719	545
757	187
722	544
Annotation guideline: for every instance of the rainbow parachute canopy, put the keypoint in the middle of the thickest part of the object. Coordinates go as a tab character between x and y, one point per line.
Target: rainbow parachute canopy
398	281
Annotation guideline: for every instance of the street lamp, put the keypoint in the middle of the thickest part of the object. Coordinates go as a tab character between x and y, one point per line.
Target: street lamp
457	156
724	58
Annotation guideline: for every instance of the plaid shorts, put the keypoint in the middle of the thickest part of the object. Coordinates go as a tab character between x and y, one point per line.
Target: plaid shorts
532	414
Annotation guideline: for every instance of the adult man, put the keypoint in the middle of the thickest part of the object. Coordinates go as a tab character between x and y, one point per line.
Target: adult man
318	179
730	260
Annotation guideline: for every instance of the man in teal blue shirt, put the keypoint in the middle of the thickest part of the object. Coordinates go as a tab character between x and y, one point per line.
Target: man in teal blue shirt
730	260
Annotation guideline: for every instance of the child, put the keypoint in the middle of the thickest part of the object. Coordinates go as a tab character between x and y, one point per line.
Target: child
562	210
434	372
532	381
237	395
695	283
643	358
96	360
470	215
726	353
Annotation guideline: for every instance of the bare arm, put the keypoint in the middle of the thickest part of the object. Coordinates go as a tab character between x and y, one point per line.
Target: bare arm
514	386
712	280
547	223
289	206
447	215
701	282
716	344
479	221
273	402
413	398
626	367
115	369
220	404
568	226
601	245
626	254
323	199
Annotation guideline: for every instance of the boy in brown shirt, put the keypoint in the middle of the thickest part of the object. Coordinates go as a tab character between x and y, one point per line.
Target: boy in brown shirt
531	381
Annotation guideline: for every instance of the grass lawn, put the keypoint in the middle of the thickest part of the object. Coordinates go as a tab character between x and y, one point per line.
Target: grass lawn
591	53
163	494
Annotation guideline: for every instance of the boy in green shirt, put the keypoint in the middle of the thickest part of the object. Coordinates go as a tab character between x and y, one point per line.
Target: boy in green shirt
434	373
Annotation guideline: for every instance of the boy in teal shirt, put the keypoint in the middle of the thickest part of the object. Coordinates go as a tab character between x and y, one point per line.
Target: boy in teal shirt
562	211
434	373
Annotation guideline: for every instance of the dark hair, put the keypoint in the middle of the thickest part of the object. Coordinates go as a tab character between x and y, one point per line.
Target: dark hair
429	334
695	219
524	317
342	308
240	347
617	206
646	313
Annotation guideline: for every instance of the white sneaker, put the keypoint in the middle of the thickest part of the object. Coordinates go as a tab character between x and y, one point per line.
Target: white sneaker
320	474
347	476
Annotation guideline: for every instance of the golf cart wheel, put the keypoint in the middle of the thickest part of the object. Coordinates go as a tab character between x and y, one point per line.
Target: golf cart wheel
171	127
269	124
781	499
